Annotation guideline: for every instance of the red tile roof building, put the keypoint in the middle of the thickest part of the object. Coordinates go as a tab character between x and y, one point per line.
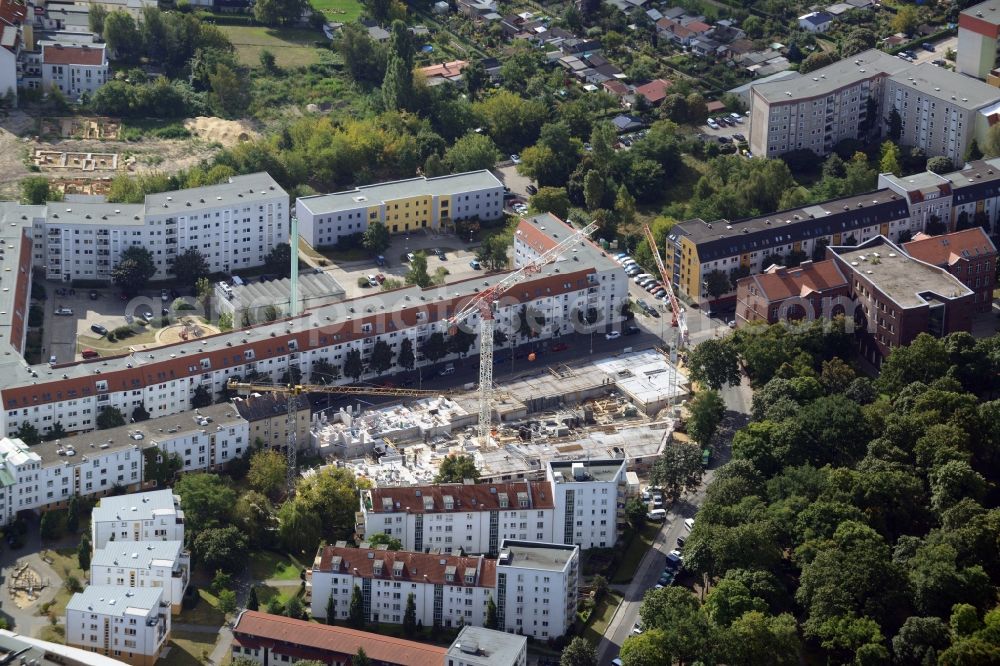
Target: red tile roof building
655	91
270	639
788	294
969	255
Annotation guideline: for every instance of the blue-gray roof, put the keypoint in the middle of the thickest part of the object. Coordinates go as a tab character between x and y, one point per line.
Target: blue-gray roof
115	600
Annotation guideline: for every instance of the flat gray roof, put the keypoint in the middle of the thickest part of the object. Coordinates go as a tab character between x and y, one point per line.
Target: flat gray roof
780	76
497	647
899	276
116	600
597	470
925	181
948	86
137	506
312	286
988	11
831	78
369	195
137	554
535	554
98	214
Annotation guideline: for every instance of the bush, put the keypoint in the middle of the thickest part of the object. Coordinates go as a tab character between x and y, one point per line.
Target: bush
73	584
35	316
362	282
121	332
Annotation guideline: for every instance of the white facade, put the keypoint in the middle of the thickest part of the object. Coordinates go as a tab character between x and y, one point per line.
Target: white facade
590	501
8	71
234	225
476	646
476	518
129	624
537	588
152	516
162	565
403	206
73	69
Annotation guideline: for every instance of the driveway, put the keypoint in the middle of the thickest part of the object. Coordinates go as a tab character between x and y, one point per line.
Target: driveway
509	176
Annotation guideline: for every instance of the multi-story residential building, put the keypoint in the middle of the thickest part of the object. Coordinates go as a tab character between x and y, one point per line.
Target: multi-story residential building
13	18
537	588
821	109
402	206
747	247
473	517
448	590
164	379
975	195
898	297
234	225
477	646
928	197
590	501
125	623
810	290
74	69
140	517
161	565
978	39
273	639
940	111
14	646
536	595
969	255
267	416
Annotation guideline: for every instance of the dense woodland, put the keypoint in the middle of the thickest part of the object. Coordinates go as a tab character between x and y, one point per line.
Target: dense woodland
857	522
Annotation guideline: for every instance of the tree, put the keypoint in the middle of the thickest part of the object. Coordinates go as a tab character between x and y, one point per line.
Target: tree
418	271
360	659
895	125
51	525
268	62
991	147
717	284
920	639
28	433
279	260
35	190
95	18
406	358
201	397
677	470
109	417
940	164
758	639
635	512
594	189
73	515
253	513
135	267
331	610
817	60
376	238
492	252
397	86
300	530
267	472
353	366
252	602
492	622
706	411
190	266
121	35
461	341
410	617
729	600
551	200
356	614
906	19
383	539
207	500
435	347
472	152
330	495
139	414
278	12
624	206
83	552
456	469
511	121
715	363
889	162
381	357
293	608
579	652
224	548
973	152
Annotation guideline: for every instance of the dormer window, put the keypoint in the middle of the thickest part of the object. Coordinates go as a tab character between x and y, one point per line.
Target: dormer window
377	567
504	501
449	503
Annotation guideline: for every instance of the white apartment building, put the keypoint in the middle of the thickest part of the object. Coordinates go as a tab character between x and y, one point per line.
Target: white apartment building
590	501
476	646
74	69
476	518
449	590
234	225
402	206
537	588
978	35
128	624
140	517
161	565
928	198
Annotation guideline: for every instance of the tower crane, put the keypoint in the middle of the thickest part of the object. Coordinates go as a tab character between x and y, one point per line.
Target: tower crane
293	391
678	317
486	302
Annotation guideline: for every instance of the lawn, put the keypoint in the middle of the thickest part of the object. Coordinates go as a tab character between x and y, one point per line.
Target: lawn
65	564
266	565
143	336
601	617
341	11
636	551
292	47
52	634
204	613
188	648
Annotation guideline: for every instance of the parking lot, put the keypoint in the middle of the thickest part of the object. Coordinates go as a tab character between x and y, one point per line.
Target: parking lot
728	131
458	254
940	49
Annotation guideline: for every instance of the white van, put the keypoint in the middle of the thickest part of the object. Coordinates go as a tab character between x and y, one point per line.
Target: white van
689	524
658	515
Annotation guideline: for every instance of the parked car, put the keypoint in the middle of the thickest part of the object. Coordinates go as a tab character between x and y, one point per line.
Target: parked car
89	353
64	312
642	276
531	189
657	515
372	282
100	330
440	254
515	158
631	330
448	370
164	296
689	524
52	359
475	264
94	295
410	256
927	46
612	335
380	278
740	137
559	346
680	542
711	123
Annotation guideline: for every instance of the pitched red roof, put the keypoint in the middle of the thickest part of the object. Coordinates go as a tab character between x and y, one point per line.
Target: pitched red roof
472	497
947	249
447	70
416	567
58	54
698	27
785	283
615	87
13	12
308	640
715	106
654	91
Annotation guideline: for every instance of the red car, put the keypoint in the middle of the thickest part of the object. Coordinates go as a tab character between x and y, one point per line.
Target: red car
380	278
559	346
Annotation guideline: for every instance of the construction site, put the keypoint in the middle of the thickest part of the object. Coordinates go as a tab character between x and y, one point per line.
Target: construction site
624	406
